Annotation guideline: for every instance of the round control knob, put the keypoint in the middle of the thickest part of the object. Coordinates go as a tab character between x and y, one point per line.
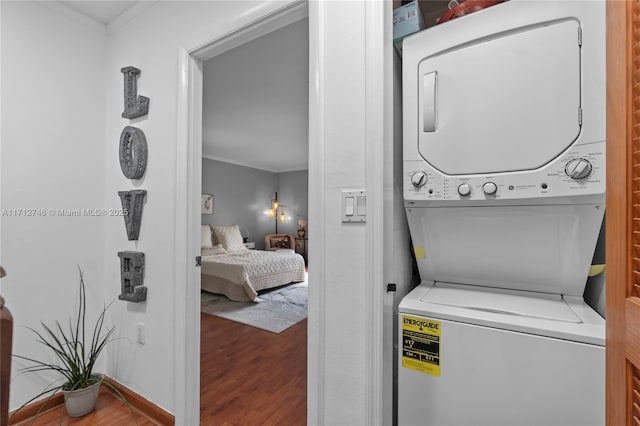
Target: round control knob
578	168
464	189
489	188
418	179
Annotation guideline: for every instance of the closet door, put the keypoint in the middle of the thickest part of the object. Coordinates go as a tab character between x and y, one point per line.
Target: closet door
623	212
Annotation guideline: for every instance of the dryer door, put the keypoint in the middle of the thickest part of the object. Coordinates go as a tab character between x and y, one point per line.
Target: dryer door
504	103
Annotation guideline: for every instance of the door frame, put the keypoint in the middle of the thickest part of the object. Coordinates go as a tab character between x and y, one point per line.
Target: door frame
257	21
618	207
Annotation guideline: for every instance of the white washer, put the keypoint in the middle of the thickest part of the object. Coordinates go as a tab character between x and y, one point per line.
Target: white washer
504	359
504	183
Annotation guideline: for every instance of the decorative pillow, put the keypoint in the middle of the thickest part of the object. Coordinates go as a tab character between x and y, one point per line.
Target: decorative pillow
217	249
205	237
229	236
279	243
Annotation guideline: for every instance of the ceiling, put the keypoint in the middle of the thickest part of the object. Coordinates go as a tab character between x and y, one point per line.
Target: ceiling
255	101
101	11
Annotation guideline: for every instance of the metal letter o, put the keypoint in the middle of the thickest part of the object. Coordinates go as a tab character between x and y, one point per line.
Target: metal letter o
133	152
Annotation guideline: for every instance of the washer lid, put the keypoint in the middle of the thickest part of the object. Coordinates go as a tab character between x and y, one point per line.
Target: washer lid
549	307
503	103
567	318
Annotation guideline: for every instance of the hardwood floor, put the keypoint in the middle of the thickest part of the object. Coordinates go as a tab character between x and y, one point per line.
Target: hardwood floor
109	411
250	376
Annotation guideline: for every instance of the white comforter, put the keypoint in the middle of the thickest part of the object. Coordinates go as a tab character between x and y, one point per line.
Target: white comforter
255	269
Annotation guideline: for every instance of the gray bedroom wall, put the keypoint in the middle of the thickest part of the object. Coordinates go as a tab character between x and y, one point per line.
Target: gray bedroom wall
293	192
242	195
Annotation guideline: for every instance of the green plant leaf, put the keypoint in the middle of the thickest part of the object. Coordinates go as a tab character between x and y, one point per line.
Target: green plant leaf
74	359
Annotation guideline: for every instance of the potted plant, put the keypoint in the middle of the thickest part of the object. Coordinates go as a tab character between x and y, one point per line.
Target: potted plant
75	357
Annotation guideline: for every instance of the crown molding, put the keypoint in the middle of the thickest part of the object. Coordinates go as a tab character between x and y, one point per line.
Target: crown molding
115	23
240	163
73	15
129	14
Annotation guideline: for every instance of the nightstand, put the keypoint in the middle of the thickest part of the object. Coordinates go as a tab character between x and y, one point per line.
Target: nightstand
301	248
250	245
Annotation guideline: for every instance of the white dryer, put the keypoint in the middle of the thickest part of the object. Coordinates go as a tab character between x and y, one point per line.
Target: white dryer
504	185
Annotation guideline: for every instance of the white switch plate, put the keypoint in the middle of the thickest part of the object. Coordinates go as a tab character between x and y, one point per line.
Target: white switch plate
351	199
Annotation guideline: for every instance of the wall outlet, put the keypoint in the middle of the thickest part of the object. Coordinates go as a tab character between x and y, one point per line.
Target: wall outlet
140	333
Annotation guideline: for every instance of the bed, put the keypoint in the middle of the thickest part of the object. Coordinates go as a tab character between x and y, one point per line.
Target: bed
231	269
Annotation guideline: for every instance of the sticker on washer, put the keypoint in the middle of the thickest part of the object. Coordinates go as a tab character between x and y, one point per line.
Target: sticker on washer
421	344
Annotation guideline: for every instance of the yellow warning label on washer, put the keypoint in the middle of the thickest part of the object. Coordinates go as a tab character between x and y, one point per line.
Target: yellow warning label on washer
421	344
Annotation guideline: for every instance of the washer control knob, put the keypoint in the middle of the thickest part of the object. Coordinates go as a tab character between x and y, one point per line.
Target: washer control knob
578	168
418	179
464	189
490	188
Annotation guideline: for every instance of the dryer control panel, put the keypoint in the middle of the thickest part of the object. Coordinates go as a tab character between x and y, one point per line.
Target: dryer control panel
579	171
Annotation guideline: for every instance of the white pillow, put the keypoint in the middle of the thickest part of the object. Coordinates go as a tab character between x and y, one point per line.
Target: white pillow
205	236
217	249
229	236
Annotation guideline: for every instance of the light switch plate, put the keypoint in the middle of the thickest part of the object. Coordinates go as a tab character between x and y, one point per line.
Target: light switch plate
354	206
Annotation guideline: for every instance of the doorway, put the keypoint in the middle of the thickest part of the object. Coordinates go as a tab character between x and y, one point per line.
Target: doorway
253	363
328	21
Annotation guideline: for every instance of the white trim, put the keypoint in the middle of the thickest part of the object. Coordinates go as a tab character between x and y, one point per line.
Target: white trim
260	20
265	17
81	18
391	242
129	14
187	277
317	313
240	163
374	178
259	28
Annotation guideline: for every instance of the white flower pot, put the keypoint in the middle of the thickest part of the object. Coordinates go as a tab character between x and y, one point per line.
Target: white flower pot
82	401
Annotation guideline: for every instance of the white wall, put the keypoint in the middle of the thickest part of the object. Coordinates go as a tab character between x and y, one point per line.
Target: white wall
150	42
52	157
338	323
338	374
75	163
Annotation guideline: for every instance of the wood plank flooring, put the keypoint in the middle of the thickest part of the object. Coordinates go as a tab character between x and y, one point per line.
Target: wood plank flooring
109	411
250	376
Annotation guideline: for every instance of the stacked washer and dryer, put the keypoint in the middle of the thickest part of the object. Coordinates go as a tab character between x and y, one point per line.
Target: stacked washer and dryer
504	187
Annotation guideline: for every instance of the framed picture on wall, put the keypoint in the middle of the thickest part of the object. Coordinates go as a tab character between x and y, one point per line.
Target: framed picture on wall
207	204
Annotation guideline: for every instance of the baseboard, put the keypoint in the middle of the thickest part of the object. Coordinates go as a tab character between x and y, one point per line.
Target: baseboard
137	402
36	408
143	405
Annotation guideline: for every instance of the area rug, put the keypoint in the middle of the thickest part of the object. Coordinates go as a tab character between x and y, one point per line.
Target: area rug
277	309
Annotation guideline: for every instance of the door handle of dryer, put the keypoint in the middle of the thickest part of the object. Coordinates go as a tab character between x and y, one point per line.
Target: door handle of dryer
429	82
